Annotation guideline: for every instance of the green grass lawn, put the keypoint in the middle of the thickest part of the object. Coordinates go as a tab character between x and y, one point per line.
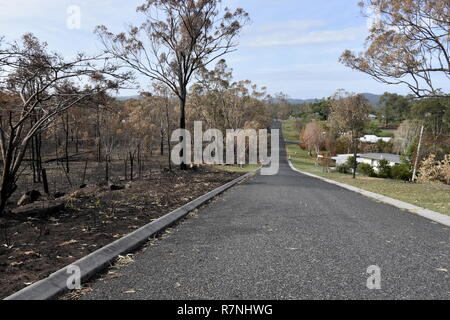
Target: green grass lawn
432	196
388	133
289	131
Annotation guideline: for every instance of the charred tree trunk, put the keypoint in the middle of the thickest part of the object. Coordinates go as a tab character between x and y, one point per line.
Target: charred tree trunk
84	172
355	155
125	162
131	166
169	144
56	147
66	142
45	181
8	182
39	157
139	162
77	140
107	158
33	160
36	158
162	139
8	185
183	165
98	137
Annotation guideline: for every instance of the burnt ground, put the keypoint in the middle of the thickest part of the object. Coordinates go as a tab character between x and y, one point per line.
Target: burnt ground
92	172
34	246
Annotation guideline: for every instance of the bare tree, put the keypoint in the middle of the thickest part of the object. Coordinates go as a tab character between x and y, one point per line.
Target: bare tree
408	44
42	85
164	104
406	134
313	136
349	114
176	39
223	103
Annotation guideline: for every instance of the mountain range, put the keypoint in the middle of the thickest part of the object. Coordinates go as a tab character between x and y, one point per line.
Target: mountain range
374	99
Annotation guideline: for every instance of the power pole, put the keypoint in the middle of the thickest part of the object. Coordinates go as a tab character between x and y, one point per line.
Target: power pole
414	176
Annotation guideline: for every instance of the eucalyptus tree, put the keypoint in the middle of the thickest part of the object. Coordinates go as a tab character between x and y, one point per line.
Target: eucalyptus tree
350	114
408	44
176	39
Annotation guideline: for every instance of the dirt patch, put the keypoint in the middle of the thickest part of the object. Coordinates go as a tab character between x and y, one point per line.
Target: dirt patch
34	246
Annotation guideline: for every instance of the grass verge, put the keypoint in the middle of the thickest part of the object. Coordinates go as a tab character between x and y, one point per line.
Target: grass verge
431	196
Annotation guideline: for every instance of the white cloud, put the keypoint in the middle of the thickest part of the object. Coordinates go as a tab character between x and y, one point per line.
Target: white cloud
292	37
19	9
293	25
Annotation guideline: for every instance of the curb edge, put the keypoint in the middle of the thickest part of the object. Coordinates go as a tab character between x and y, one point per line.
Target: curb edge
425	213
56	284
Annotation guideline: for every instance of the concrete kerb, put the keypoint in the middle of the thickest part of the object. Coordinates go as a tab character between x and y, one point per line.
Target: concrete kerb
56	284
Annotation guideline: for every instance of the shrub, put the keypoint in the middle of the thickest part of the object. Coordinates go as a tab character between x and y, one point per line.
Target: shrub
433	170
373	127
366	169
429	169
365	147
384	169
343	168
351	162
343	144
445	169
384	147
401	172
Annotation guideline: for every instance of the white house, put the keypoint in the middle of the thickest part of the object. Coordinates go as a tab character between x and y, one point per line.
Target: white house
341	158
373	139
370	158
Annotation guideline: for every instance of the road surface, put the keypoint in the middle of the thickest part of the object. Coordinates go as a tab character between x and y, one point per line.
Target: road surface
290	236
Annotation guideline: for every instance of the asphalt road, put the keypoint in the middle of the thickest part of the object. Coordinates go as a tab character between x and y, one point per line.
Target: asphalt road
290	236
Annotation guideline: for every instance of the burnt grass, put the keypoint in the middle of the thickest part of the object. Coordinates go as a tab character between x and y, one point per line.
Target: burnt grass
32	247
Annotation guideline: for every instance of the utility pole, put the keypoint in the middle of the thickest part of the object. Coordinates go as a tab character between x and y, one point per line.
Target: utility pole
414	176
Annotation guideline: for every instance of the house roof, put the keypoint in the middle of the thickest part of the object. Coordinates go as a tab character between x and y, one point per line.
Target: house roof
379	156
374	138
372	156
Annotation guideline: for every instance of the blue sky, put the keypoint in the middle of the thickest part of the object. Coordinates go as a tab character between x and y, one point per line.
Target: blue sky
291	45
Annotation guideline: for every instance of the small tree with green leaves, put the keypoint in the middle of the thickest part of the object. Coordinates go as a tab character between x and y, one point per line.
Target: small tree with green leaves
366	169
350	114
384	169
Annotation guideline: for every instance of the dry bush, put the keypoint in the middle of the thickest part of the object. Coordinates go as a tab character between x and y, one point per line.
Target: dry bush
445	169
368	147
313	136
432	170
344	144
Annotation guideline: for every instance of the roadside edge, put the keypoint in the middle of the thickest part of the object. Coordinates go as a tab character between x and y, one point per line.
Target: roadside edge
426	213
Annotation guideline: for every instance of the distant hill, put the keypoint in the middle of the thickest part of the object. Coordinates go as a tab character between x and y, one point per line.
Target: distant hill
374	99
302	101
125	98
